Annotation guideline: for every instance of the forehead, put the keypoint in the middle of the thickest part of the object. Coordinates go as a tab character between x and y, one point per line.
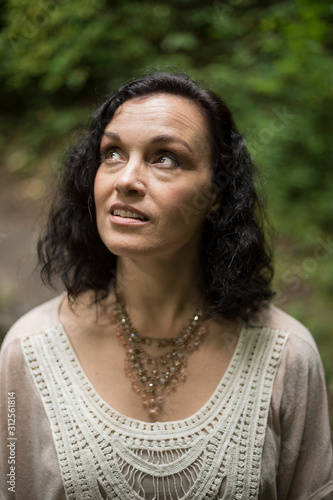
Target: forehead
161	113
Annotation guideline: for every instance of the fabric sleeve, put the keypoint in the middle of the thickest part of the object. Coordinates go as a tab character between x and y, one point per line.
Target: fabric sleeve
305	470
35	473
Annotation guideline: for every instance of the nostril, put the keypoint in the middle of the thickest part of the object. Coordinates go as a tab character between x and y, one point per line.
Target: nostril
125	186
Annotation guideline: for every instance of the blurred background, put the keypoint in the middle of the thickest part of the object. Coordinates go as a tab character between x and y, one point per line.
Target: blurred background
271	62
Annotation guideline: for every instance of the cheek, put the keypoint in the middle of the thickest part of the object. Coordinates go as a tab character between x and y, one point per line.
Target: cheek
197	200
100	189
101	197
189	207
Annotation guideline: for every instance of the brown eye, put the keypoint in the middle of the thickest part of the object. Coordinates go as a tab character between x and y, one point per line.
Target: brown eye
112	154
168	160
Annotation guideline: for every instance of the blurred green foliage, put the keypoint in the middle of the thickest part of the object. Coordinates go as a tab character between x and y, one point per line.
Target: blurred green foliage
271	61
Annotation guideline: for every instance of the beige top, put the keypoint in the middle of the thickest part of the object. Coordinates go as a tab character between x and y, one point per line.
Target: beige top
296	455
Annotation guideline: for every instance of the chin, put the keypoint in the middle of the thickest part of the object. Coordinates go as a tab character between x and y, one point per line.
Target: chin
130	250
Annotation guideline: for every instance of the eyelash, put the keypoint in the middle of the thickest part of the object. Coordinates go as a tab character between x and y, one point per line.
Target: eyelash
163	154
104	154
166	154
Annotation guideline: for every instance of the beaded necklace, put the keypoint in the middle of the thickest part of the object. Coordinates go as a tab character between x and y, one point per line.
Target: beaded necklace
155	376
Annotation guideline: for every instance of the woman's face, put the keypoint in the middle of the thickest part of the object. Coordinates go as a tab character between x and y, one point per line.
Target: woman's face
151	187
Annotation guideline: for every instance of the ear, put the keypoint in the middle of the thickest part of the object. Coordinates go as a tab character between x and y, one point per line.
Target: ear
214	204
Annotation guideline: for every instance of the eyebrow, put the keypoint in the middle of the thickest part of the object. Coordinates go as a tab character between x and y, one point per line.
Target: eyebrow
112	135
171	138
159	138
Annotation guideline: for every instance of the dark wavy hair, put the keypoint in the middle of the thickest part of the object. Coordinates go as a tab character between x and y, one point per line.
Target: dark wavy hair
236	260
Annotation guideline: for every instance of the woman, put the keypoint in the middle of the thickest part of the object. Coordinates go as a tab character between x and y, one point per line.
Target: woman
164	372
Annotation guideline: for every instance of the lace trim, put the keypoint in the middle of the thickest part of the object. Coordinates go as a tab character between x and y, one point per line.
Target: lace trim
216	453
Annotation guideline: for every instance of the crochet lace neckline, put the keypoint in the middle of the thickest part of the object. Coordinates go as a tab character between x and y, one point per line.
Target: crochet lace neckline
108	411
214	453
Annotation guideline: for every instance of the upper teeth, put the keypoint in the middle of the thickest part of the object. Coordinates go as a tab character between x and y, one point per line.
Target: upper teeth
125	213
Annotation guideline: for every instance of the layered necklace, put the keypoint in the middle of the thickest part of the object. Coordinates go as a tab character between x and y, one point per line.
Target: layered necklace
154	377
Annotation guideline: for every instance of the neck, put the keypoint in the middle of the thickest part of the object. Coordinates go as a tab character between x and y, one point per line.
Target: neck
160	296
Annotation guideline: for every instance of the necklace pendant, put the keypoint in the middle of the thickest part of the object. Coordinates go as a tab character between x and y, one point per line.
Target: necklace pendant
148	374
153	407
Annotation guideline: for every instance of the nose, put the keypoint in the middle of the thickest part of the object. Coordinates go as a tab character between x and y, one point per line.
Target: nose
131	178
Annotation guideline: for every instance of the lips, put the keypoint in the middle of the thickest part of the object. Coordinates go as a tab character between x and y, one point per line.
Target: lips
128	212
